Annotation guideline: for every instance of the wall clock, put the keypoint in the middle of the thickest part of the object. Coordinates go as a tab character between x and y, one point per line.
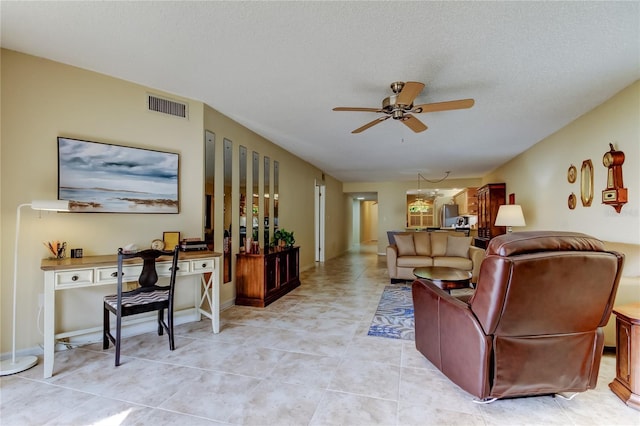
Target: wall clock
157	244
615	195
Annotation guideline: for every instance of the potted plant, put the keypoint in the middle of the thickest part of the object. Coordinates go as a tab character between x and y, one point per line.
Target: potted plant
282	237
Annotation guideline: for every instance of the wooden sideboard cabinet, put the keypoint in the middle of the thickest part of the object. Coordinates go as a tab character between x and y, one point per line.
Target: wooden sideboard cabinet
263	278
490	198
627	381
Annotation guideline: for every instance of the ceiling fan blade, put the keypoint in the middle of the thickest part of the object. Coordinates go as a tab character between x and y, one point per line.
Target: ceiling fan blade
414	124
443	106
409	92
370	124
357	109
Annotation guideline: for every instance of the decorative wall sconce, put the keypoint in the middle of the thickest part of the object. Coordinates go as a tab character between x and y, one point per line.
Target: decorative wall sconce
571	174
615	195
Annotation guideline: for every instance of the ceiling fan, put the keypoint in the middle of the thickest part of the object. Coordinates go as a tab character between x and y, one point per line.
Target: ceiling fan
399	106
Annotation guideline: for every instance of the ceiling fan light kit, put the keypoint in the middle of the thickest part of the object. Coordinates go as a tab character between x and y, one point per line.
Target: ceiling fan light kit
399	106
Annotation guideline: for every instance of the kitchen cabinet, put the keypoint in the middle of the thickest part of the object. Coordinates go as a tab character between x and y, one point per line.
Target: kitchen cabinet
467	201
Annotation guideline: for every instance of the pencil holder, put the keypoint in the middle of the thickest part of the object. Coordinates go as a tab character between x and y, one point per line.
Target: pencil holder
57	249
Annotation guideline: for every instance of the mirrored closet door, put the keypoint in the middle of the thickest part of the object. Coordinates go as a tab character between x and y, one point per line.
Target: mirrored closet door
266	204
209	186
255	207
242	189
276	189
228	167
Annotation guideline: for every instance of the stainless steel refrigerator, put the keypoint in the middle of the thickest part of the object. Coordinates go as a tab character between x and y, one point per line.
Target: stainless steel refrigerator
449	215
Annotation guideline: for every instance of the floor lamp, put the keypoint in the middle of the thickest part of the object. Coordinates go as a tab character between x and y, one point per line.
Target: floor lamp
16	365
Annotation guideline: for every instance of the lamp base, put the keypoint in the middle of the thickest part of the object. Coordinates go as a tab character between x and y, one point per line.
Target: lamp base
22	363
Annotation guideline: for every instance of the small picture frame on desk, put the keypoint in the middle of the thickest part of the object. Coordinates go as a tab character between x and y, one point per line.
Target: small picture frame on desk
171	239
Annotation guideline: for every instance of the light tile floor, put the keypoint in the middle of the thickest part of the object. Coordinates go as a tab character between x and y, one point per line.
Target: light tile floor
304	360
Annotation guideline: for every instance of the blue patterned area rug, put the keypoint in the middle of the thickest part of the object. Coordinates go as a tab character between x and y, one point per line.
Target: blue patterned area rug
394	316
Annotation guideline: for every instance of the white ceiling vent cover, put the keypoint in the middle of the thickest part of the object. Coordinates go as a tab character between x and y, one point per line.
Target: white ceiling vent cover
167	106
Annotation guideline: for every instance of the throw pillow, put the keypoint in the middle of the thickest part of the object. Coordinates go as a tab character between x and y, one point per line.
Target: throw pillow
458	246
405	245
438	243
422	241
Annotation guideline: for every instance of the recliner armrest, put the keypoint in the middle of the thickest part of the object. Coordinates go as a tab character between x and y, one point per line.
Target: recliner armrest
392	257
450	336
476	254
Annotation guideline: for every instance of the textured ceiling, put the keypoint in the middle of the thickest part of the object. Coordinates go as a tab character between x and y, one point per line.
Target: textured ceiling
279	68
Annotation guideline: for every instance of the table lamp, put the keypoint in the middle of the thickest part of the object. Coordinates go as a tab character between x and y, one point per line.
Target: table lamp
510	215
16	365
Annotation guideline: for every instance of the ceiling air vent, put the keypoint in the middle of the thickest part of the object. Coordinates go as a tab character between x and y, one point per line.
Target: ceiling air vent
167	106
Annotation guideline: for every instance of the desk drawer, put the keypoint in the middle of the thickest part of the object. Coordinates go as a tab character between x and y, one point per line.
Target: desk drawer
202	265
110	275
76	278
164	268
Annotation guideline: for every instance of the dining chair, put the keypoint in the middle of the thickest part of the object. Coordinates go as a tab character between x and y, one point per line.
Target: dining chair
147	297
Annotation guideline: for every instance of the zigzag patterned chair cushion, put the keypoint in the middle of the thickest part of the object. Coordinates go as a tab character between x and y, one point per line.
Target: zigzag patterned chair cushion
138	298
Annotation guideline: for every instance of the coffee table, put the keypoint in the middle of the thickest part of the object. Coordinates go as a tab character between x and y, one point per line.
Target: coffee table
444	277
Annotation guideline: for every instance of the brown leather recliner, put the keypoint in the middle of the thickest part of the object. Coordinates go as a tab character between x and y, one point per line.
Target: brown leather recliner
534	323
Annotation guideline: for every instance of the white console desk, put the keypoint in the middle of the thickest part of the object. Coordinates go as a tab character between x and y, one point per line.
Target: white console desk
66	274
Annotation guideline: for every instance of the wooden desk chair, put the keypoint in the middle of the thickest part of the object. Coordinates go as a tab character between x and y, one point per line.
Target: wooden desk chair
147	297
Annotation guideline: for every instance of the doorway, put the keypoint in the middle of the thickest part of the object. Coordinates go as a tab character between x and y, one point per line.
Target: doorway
369	221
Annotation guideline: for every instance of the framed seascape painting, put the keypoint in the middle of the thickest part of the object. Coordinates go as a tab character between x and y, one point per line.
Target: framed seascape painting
104	178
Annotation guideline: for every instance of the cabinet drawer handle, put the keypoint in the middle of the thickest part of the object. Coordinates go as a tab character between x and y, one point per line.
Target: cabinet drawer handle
204	265
115	274
74	278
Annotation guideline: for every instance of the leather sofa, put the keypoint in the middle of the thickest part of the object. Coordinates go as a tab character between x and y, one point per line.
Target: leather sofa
534	324
411	250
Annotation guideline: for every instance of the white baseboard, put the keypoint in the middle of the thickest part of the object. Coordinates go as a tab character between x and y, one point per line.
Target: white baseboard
130	327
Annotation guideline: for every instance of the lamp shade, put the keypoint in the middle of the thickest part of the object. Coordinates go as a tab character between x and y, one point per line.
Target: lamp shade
53	205
510	215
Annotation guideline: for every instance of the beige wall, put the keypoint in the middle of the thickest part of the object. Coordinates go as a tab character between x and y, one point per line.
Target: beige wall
297	181
368	221
538	177
338	219
42	100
